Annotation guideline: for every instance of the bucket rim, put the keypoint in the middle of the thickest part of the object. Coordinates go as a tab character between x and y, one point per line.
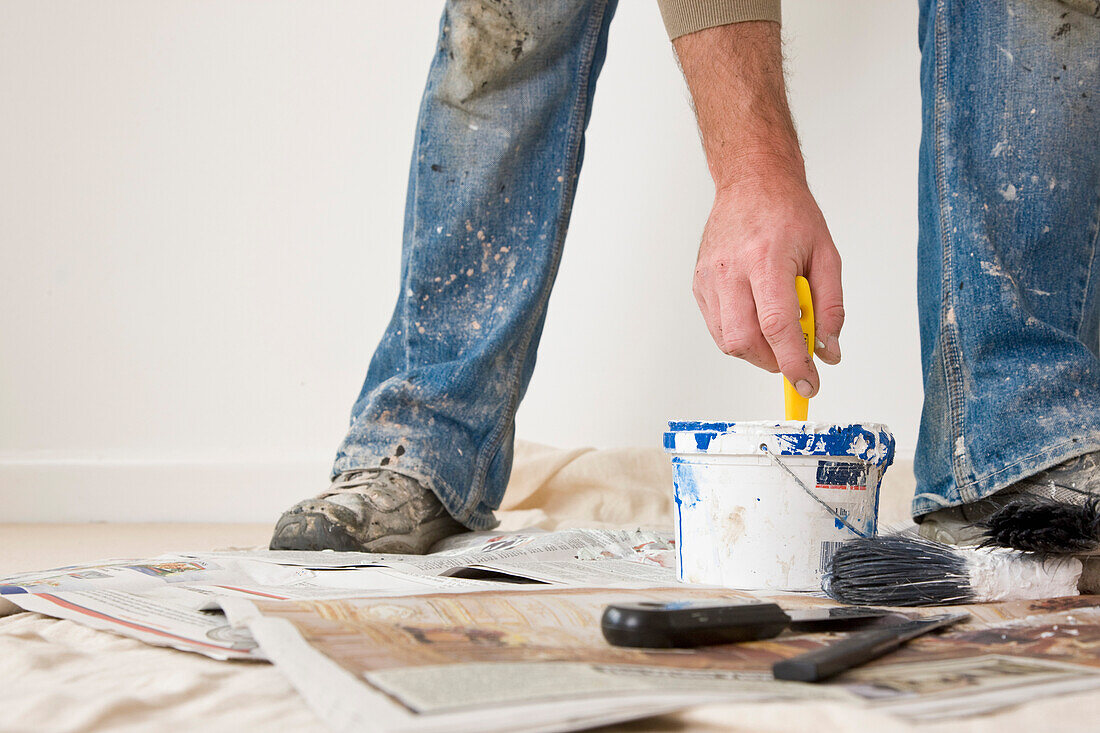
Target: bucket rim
871	442
792	426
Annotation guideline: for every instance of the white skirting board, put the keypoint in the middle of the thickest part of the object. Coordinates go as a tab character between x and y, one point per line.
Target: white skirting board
57	489
50	490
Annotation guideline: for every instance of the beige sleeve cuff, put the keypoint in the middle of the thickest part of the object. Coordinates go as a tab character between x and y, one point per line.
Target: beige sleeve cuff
687	16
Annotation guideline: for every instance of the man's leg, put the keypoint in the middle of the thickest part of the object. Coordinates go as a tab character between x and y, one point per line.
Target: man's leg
1009	210
494	169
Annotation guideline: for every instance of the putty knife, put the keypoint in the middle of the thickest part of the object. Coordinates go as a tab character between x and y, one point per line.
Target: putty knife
798	406
857	649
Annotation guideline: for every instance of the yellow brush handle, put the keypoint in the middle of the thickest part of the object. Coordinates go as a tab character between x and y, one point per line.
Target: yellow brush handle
797	405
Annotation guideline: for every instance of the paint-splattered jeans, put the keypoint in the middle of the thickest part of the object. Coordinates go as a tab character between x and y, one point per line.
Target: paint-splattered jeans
494	169
1009	208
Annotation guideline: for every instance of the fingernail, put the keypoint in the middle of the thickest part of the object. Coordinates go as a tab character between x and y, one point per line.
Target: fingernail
819	344
804	388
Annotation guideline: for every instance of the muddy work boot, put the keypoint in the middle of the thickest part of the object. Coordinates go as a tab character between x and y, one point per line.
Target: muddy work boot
373	510
1071	482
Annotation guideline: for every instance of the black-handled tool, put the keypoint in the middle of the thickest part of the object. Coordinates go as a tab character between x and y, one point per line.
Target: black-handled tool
651	625
857	649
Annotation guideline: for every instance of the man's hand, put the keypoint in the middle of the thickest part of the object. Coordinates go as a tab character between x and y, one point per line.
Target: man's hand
765	227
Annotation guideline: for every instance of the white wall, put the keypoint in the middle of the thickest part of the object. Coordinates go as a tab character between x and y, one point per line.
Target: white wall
200	216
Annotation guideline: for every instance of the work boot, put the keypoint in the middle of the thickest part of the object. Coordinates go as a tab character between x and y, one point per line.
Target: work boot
1071	481
373	510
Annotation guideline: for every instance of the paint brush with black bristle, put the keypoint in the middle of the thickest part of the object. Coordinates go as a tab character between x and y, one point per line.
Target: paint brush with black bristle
1045	526
907	570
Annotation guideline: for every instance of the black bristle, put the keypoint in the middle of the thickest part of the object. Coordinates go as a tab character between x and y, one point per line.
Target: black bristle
1043	525
898	570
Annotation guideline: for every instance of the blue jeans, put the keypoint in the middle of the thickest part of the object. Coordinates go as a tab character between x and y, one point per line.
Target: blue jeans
1009	211
494	169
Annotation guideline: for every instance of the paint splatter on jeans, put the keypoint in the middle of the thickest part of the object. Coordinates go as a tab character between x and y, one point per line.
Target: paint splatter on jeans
497	153
1009	212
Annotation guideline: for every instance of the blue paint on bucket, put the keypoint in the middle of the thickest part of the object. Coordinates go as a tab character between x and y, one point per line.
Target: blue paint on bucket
874	445
686	490
685	493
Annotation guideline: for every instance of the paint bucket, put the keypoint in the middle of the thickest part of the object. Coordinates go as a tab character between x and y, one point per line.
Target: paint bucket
763	505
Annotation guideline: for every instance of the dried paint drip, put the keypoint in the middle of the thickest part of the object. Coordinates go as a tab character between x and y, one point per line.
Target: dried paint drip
763	505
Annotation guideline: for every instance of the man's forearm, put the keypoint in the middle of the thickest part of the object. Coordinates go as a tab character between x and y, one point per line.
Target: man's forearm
764	228
735	74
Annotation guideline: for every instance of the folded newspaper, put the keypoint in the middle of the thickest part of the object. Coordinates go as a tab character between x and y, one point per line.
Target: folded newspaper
499	631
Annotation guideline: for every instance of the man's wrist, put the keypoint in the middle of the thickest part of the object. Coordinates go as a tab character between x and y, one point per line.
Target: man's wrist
750	166
735	75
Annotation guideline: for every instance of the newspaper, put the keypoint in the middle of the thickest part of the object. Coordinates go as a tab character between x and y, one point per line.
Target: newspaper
496	631
173	600
495	657
163	618
531	548
166	601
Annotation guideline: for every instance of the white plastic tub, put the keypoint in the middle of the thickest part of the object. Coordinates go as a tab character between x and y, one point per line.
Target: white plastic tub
744	522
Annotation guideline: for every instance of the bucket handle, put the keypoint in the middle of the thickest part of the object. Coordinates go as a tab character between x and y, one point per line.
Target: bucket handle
812	495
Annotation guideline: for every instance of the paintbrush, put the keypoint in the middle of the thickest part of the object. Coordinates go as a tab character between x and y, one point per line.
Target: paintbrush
907	570
1044	525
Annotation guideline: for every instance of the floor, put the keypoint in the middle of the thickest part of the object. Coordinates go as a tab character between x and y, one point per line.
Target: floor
28	547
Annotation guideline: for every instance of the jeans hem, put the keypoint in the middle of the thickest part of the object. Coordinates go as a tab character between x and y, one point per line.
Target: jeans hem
995	481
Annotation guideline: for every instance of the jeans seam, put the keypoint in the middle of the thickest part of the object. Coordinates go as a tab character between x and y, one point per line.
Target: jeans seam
948	343
576	128
929	497
1088	276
